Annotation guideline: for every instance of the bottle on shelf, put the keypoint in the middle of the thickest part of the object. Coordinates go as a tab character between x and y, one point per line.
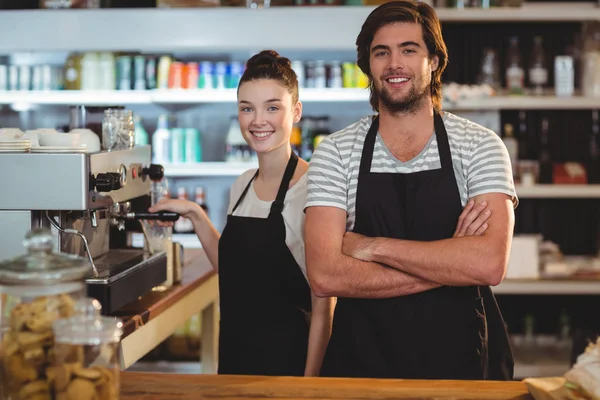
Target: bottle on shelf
489	74
564	340
593	167
141	135
161	140
237	150
201	198
512	146
296	140
514	70
522	136
538	71
183	225
72	72
529	345
545	158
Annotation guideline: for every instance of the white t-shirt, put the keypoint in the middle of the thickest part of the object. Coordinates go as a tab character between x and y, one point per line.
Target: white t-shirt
479	158
293	214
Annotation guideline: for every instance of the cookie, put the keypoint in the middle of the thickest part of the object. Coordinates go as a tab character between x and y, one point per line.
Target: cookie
28	340
88	373
18	316
34	387
39	396
41	322
18	369
59	377
81	389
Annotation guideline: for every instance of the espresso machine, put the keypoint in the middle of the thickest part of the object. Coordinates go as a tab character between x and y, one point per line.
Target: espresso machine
82	198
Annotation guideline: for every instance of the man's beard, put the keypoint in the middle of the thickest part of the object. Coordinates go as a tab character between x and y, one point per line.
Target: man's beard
410	104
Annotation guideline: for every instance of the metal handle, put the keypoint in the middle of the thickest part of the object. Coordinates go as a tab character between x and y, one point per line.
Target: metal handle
159	216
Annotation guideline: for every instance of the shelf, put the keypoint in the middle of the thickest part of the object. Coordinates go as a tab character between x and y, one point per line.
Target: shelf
547	102
558	191
76	97
191	97
548	287
224	29
208	169
236	169
529	12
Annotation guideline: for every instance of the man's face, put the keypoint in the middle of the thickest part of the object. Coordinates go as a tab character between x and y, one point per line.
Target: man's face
401	67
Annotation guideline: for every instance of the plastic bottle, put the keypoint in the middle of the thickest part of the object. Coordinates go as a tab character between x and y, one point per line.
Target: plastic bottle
514	69
141	135
161	141
512	145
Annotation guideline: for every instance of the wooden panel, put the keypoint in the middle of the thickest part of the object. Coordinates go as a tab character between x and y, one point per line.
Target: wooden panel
171	386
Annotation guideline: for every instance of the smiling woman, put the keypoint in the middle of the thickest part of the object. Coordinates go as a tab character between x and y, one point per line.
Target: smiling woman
271	324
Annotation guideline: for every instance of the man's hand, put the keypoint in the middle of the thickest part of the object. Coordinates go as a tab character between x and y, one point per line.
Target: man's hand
357	246
473	219
472	222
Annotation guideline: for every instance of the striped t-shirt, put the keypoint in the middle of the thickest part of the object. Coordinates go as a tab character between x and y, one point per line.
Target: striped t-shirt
480	160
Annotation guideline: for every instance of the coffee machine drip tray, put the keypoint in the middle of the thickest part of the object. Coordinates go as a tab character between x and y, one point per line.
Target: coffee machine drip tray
124	275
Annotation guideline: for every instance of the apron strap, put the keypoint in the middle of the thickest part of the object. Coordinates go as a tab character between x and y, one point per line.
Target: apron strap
442	142
244	192
369	147
277	205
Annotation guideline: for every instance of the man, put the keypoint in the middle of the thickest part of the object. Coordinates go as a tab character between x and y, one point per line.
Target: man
384	197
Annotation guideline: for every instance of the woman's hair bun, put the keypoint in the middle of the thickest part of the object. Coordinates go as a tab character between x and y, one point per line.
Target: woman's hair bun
268	58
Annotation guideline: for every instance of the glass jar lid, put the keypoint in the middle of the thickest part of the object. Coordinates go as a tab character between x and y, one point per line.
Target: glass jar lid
88	327
40	266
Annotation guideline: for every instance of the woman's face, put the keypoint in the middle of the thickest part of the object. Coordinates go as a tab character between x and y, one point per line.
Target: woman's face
266	114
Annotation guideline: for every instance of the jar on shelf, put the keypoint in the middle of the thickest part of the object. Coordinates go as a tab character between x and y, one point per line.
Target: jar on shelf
86	355
36	289
118	129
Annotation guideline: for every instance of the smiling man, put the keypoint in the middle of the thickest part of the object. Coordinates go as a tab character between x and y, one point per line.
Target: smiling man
384	198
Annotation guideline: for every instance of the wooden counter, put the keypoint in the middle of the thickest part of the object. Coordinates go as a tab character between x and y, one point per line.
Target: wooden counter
151	386
152	318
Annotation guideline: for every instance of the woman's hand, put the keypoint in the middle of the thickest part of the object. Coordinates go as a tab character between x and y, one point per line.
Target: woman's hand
185	208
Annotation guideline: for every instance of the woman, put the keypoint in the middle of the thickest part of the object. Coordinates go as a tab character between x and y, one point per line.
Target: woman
271	324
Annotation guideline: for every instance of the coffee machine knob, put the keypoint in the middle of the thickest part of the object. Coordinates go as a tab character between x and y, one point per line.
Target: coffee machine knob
155	172
108	182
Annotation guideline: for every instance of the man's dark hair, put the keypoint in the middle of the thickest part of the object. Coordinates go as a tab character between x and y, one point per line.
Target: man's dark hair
404	11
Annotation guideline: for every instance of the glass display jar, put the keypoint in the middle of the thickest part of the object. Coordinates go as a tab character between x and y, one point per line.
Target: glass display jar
118	130
86	355
36	289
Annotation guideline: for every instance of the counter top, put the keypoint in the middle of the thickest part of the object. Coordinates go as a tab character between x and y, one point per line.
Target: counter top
152	318
196	271
154	386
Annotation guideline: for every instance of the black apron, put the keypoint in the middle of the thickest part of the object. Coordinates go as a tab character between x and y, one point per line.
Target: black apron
264	297
443	333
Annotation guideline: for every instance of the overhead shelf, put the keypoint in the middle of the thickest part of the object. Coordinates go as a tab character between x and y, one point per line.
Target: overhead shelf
204	96
224	29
